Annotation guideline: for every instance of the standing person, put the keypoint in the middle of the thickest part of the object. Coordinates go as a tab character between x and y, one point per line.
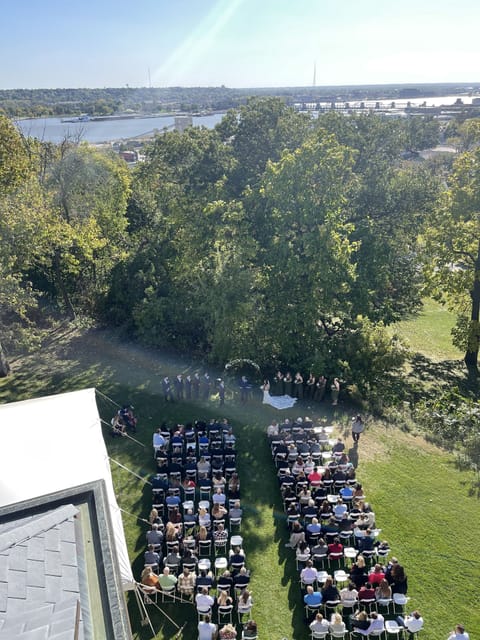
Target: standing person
278	389
188	387
179	386
196	386
244	386
167	389
310	390
221	392
358	427
288	384
459	633
335	389
206	384
320	387
298	386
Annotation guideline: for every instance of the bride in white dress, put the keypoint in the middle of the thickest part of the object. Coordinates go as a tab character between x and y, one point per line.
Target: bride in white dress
278	402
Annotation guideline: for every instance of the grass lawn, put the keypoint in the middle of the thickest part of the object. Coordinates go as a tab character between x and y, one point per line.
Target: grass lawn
429	332
422	502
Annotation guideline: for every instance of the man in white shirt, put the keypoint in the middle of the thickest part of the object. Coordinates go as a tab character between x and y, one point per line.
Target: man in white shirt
308	575
459	633
412	623
204	601
206	629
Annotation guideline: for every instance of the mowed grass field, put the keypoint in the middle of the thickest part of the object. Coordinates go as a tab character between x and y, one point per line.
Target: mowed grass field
424	505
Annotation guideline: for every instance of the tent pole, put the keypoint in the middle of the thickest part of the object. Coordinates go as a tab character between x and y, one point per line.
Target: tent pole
143	612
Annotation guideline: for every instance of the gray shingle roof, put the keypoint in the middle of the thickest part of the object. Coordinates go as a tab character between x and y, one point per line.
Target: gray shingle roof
39	576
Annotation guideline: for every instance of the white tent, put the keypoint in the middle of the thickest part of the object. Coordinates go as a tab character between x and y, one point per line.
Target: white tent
60	437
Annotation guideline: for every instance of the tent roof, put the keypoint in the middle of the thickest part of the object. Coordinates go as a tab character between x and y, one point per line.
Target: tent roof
55	443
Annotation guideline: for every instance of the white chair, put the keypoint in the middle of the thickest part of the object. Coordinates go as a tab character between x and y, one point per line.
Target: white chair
220	565
385	602
340	576
318	635
399	602
392	628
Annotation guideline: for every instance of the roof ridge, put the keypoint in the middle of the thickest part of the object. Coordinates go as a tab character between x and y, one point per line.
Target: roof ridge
36	526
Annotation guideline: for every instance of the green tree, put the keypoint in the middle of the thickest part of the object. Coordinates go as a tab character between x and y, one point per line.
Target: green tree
89	190
453	249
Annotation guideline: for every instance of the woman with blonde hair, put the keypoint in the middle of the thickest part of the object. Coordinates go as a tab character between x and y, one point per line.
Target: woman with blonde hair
337	625
228	632
203	533
224	600
154	517
150	579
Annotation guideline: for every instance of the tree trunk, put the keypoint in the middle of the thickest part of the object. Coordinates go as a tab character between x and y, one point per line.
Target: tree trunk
471	357
61	286
4	366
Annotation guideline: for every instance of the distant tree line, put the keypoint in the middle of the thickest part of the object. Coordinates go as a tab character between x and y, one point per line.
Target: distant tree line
276	237
30	103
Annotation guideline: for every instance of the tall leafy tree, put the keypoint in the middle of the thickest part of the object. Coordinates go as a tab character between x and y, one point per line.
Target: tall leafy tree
89	190
453	244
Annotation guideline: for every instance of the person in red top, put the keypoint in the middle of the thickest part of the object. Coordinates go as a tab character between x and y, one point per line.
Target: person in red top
335	547
315	478
367	592
376	575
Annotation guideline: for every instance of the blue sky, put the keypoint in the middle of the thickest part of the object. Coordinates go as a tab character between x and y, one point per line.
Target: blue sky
239	43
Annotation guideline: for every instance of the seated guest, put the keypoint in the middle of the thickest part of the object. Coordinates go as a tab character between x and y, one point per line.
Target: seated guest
359	621
150	579
296	536
319	624
411	623
250	630
377	624
313	529
335	547
225	582
204	601
237	558
358	572
152	558
219	497
314	477
330	593
376	575
383	591
367	592
204	579
206	629
241	580
227	632
173	559
235	512
244	602
186	583
312	598
336	625
320	549
220	536
166	580
302	554
308	575
339	446
155	537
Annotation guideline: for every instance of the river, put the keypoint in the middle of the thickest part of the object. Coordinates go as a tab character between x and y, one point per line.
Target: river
54	130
